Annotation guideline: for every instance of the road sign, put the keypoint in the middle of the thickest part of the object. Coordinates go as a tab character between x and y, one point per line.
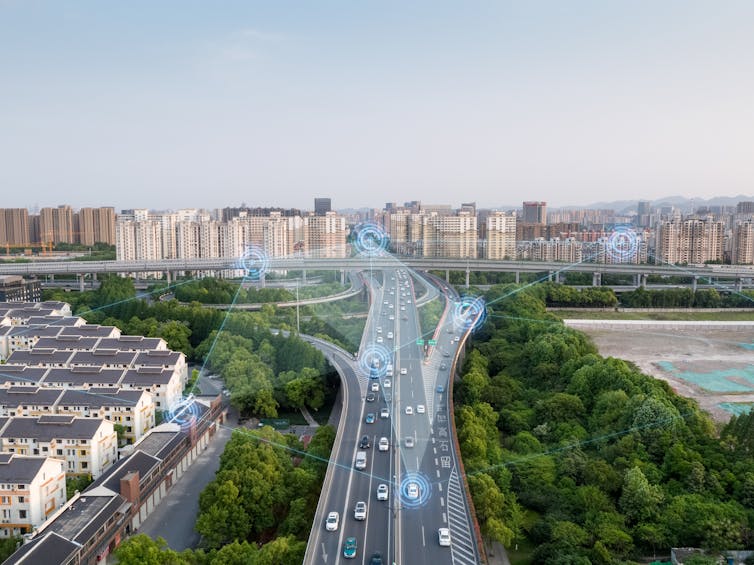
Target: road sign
419	342
433	342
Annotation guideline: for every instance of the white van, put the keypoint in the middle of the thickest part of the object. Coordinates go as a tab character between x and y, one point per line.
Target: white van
361	460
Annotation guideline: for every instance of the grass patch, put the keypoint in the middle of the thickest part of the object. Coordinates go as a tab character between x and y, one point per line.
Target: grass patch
657	316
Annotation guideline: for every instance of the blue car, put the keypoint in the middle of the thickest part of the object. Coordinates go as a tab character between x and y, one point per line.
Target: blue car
349	548
370	418
440	389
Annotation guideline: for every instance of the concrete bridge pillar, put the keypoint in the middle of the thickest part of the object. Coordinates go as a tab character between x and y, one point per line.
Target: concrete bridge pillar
94	276
644	278
694	282
81	283
739	284
447	276
518	277
168	277
303	276
467	277
342	276
596	279
549	276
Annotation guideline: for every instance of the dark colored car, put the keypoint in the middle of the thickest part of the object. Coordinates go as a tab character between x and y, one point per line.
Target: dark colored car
376	559
364	443
370	397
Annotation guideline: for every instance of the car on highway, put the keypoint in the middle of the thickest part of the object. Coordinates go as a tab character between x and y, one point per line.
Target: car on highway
369	418
409	410
379	330
443	536
391	317
376	559
371	397
384	413
390	335
440	389
405	318
379	339
409	441
456	339
382	492
391	306
443	366
446	353
404	371
333	519
412	491
386	383
360	511
375	386
420	409
349	548
384	444
403	308
365	443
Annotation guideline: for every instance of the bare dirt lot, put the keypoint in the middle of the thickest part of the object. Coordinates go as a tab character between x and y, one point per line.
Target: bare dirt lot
715	367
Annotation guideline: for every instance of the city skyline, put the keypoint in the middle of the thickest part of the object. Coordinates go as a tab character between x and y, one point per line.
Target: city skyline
363	103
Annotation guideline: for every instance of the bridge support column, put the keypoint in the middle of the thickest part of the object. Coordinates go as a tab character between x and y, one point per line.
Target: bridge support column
447	276
549	276
94	276
81	283
518	277
596	279
467	278
52	278
261	279
739	284
637	280
167	277
342	276
694	282
644	278
303	276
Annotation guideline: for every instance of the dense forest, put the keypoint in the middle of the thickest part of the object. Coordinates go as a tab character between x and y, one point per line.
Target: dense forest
584	459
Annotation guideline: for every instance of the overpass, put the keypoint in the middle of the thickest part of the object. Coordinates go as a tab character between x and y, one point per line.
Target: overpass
737	273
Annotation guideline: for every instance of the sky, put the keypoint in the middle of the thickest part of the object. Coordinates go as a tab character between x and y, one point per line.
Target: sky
171	104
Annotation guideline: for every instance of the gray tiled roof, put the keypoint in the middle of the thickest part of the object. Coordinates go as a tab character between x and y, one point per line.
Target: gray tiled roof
21	469
45	428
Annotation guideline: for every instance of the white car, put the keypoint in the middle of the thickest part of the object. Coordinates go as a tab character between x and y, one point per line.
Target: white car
409	441
443	536
382	492
404	371
391	317
386	383
390	335
375	386
384	444
412	491
409	410
379	330
379	339
360	511
384	413
420	409
333	519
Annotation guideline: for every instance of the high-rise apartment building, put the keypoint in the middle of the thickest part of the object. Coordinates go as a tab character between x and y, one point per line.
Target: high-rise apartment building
745	207
94	225
567	251
742	245
14	226
501	236
56	225
326	235
534	213
689	241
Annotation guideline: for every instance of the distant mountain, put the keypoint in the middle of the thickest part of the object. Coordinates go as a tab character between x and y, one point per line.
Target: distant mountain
681	202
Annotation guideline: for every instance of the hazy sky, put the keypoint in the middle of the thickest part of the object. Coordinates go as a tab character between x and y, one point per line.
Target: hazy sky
207	104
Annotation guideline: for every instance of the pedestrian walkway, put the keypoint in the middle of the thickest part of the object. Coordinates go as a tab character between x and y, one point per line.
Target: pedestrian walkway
308	417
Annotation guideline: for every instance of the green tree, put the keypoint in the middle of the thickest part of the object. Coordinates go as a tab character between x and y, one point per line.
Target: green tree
640	500
222	519
143	550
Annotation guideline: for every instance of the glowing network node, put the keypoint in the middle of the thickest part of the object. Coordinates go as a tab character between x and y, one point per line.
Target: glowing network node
184	413
254	261
414	490
470	312
622	244
371	240
374	360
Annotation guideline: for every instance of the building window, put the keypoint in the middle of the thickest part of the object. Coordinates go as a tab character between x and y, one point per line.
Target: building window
21	500
84	465
22	514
